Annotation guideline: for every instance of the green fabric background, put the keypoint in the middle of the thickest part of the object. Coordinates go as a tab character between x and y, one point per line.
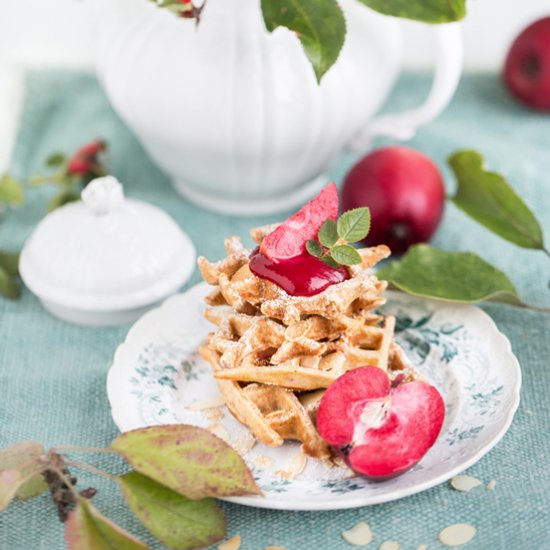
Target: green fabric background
52	375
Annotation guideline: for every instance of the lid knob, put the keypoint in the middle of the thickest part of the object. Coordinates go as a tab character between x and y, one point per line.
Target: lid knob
103	195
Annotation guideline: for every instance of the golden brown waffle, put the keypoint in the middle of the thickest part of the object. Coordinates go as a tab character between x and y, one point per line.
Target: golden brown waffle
274	354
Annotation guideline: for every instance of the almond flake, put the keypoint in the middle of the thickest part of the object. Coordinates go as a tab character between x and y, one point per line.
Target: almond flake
221	432
457	534
214	415
390	545
234	543
274	548
491	485
261	462
422	547
465	483
210	403
296	466
360	535
244	443
297	463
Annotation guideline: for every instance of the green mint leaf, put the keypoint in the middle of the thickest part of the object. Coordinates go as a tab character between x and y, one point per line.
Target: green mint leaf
9	262
330	262
62	198
11	191
8	286
187	459
455	276
319	25
27	454
56	159
345	254
314	248
328	234
354	225
86	528
176	521
488	198
428	11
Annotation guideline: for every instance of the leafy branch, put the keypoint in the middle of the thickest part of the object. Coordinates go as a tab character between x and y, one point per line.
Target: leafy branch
320	25
71	174
177	472
333	245
11	194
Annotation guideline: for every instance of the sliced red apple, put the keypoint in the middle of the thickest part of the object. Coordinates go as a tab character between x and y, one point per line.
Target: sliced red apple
381	431
289	239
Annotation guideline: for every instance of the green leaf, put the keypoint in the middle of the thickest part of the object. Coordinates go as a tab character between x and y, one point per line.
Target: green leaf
314	248
179	523
11	191
488	198
354	225
428	11
9	262
27	454
319	24
454	276
8	286
56	159
187	459
328	234
87	529
330	262
345	254
62	198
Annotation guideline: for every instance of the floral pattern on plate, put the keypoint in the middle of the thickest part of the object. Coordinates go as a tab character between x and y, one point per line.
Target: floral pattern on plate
158	374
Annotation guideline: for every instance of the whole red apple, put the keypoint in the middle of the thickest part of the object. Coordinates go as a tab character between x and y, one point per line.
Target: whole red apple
404	191
381	431
527	66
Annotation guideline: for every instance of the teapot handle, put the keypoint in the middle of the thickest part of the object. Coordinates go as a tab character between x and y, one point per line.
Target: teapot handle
448	67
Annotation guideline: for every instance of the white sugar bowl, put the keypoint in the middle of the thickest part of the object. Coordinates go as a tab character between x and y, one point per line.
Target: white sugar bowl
106	259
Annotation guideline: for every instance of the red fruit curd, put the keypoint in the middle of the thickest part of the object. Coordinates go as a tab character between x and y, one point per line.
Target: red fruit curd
303	275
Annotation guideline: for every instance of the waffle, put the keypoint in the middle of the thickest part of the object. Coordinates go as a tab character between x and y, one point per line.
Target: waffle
274	354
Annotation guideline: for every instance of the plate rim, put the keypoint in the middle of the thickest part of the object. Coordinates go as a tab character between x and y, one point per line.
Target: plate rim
352	502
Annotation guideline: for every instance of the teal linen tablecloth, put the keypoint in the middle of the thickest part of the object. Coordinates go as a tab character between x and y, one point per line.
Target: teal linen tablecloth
52	374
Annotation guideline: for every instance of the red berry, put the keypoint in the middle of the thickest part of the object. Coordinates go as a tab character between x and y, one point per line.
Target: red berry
78	166
91	150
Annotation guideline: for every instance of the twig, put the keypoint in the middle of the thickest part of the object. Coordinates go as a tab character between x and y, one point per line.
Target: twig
76	448
90	468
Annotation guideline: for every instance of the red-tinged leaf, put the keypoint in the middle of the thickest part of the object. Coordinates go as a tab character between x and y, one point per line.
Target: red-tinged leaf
179	523
87	529
189	460
12	480
24	457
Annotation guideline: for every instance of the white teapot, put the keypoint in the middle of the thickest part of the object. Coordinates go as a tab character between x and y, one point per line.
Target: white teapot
234	114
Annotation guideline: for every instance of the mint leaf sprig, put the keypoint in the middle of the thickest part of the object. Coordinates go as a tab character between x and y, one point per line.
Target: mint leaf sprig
333	246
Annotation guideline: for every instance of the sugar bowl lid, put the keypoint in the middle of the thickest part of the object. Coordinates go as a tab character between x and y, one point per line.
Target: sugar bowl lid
106	258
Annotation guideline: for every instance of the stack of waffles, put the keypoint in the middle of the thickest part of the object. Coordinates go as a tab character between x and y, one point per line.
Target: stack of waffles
274	354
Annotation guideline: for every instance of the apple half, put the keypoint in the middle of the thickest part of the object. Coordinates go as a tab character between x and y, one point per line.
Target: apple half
380	430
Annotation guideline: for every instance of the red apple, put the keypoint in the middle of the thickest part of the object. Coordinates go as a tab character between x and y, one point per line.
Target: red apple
289	239
404	191
381	431
527	66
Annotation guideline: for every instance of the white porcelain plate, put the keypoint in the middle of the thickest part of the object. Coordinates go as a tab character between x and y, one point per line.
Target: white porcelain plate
157	373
